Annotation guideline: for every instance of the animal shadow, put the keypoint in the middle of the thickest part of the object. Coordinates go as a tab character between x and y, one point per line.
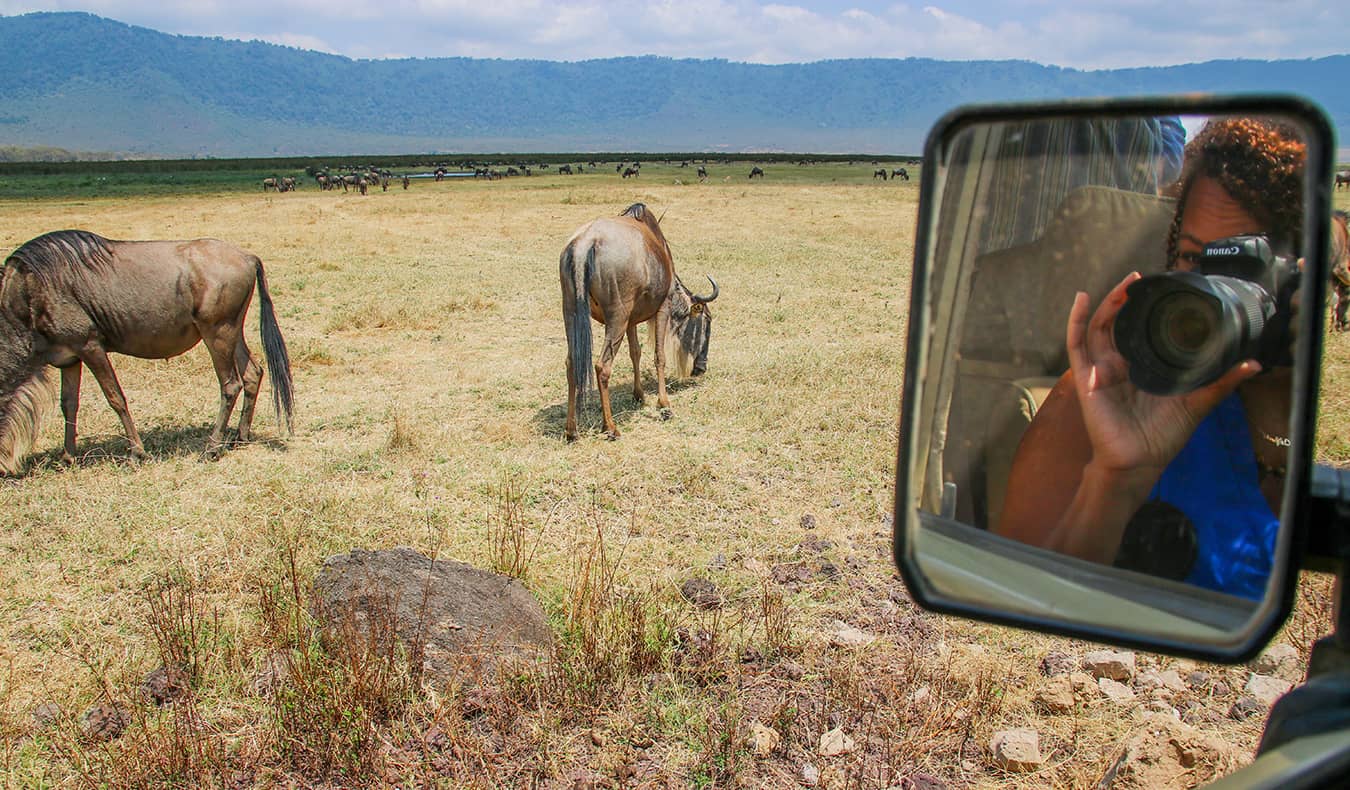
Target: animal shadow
161	443
552	420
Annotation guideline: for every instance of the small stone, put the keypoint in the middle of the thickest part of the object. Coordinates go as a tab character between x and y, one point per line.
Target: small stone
1083	684
1018	750
1113	664
1282	661
701	593
789	670
47	715
849	636
718	563
808	774
920	696
1057	662
274	672
105	722
164	685
597	738
1267	689
1198	679
828	570
1057	695
762	740
836	742
1245	708
1199	713
1220	689
1118	693
808	521
922	781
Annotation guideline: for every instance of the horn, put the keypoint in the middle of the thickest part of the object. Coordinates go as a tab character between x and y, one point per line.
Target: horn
663	216
705	299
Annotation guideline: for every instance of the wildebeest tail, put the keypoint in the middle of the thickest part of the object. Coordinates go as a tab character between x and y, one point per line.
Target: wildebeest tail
274	348
577	316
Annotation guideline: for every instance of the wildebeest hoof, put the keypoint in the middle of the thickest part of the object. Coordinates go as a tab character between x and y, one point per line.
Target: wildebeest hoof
570	437
613	435
666	414
67	459
211	453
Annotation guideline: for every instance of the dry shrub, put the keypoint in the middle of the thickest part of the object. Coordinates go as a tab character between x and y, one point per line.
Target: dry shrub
347	677
508	553
402	437
612	634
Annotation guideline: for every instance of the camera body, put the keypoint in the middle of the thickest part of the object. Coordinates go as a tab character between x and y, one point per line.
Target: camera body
1182	330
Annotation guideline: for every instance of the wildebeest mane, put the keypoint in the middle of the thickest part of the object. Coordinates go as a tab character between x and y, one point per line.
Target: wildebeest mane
52	255
637	211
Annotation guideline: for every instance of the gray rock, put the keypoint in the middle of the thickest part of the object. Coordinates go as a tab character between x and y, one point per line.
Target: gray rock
1167	754
47	715
922	781
808	774
808	521
467	618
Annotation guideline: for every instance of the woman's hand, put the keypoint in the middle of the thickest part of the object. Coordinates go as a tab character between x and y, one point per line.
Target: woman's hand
1131	430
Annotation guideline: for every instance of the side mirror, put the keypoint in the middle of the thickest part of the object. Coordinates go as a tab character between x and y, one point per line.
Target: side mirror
1042	480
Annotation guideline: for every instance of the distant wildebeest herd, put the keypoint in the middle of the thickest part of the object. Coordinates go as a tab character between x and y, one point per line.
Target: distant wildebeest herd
70	298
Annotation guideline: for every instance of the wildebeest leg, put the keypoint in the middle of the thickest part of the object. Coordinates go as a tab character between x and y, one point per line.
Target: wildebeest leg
1341	321
70	405
635	354
659	352
614	333
97	360
221	341
252	378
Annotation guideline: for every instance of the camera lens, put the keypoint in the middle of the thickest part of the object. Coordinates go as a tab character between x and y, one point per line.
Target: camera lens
1184	329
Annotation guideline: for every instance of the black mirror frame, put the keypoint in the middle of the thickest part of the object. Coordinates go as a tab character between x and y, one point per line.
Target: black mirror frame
1298	503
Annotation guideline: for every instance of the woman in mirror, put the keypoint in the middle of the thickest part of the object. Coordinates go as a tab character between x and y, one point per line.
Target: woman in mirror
1182	485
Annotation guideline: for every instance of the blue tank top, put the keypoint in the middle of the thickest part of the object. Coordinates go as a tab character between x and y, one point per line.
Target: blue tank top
1214	482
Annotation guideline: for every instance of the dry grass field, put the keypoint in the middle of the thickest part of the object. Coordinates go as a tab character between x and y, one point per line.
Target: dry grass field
427	344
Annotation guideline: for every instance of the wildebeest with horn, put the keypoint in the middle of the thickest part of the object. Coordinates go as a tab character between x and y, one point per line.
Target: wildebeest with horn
69	298
619	271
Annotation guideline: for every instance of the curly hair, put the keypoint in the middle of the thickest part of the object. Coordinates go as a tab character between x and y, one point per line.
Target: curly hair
1259	162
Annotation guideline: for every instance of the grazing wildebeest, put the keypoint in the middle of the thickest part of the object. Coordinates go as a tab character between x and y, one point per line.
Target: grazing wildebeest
631	171
901	174
71	297
618	168
269	183
322	180
362	184
565	170
406	181
1340	271
756	171
702	173
1342	178
287	184
619	271
879	173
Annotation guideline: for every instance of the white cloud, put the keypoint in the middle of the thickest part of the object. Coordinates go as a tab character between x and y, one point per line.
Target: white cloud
1059	32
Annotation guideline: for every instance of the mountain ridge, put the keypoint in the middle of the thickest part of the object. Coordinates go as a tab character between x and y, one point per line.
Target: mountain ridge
160	94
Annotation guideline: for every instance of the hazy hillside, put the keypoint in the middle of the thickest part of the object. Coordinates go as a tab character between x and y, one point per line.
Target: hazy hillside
80	82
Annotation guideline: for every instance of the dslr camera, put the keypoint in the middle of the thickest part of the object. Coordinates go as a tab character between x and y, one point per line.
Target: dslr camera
1182	330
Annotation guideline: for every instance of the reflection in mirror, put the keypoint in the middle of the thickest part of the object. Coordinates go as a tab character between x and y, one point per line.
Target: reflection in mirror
1109	369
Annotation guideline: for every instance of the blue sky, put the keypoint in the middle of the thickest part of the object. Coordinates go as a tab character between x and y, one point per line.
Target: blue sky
1069	33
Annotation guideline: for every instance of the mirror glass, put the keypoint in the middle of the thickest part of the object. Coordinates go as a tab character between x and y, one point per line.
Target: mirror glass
1098	412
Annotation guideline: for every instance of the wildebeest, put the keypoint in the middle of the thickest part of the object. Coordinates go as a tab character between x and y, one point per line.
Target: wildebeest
702	173
71	297
287	184
756	171
1342	178
901	174
565	170
620	272
631	171
1340	271
269	183
879	173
